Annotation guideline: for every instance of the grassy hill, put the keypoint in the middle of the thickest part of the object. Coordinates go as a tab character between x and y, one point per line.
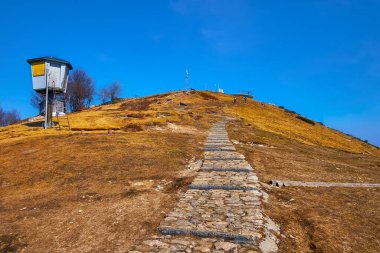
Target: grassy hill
87	190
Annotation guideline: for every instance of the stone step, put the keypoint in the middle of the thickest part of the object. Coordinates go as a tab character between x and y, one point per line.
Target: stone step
227	178
235	212
171	242
205	233
226	164
218	149
223	187
224	144
218	144
244	170
223	155
224	159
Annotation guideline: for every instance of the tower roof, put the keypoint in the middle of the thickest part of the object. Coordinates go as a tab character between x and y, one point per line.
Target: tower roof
50	58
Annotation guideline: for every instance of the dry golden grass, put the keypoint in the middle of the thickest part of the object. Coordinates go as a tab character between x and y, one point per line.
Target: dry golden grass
159	109
277	157
278	121
92	192
64	191
315	219
327	219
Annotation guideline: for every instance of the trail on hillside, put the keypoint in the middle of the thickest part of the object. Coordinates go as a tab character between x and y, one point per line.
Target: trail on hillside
221	210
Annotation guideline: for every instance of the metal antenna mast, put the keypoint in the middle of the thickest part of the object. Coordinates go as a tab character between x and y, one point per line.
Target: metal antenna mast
187	79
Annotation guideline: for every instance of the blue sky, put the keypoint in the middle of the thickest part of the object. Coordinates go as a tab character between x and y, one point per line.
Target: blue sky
319	58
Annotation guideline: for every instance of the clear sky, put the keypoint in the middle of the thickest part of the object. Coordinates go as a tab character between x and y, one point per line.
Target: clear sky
320	58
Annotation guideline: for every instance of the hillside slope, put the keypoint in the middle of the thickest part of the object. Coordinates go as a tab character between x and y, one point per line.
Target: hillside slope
159	110
86	190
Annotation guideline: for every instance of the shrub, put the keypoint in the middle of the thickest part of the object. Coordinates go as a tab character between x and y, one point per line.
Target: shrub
306	120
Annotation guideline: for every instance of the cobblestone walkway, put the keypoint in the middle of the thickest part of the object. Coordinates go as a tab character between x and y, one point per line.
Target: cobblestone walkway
221	211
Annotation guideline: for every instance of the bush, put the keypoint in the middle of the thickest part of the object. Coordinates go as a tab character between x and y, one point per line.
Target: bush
289	111
306	120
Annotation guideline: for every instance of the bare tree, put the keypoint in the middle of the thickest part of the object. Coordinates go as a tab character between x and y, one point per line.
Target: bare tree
7	118
80	90
104	95
13	117
2	117
114	90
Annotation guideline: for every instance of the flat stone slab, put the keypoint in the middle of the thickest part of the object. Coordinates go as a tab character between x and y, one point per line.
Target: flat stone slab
223	155
218	145
226	164
218	149
244	170
176	243
226	178
223	187
236	237
320	184
224	158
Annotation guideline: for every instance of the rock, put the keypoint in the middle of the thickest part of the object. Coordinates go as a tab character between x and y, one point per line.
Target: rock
154	243
203	249
164	251
181	242
226	246
268	245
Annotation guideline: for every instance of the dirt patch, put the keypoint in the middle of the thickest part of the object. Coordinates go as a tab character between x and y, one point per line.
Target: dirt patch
178	183
182	129
138	104
137	115
11	243
207	96
175	128
132	128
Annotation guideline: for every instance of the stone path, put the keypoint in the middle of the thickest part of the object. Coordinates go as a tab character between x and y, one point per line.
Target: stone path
221	211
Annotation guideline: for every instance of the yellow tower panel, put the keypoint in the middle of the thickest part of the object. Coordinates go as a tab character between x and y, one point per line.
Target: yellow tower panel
38	69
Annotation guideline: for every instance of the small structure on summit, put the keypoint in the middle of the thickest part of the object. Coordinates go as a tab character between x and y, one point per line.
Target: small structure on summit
50	77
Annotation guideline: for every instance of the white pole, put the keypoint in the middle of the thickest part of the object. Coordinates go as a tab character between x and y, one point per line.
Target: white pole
46	98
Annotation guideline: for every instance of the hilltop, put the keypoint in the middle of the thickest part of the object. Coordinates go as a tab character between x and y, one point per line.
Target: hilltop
91	189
